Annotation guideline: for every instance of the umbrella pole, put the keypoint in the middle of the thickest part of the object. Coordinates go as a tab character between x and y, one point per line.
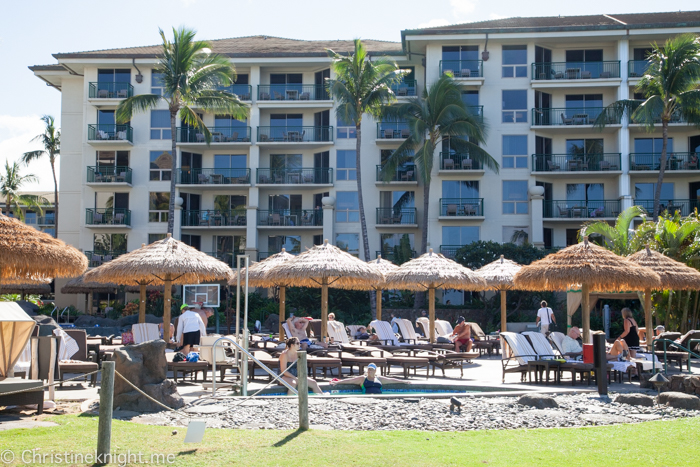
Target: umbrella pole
324	307
142	303
283	297
585	313
90	302
647	318
167	295
503	311
431	314
379	304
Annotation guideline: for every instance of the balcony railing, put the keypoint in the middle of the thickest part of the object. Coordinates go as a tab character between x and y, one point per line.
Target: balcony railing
676	117
213	176
581	209
295	176
101	90
109	174
396	255
394	216
214	218
463	68
684	206
575	70
451	161
461	207
637	68
477	111
674	161
291	218
450	251
228	257
575	162
108	216
292	92
110	132
99	257
401	174
219	134
295	134
405	88
243	91
40	221
392	130
572	116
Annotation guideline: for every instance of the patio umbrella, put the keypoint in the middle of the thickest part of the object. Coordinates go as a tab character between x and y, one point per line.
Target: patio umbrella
592	266
433	271
499	276
384	267
78	285
164	262
15	328
31	287
323	266
674	275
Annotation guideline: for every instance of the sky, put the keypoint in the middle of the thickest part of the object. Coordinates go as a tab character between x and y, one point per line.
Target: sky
32	30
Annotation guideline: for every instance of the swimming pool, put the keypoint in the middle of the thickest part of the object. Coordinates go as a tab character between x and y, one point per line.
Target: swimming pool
401	390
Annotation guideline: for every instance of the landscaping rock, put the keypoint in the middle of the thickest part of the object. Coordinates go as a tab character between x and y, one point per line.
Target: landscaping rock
605	419
679	400
635	399
539	401
272	322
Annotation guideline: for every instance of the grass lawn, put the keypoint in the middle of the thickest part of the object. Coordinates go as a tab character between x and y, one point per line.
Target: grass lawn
673	443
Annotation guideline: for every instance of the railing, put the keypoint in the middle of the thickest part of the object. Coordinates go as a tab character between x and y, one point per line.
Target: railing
102	90
405	88
107	216
684	206
572	116
98	257
392	130
451	161
575	70
291	218
40	221
110	133
461	207
219	134
396	255
228	257
450	251
295	134
213	176
463	68
477	111
243	91
581	209
292	92
637	68
394	216
676	117
109	174
214	218
576	162
675	347
295	176
674	161
401	174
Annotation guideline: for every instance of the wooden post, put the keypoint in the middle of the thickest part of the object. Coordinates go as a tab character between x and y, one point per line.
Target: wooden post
324	308
142	303
283	298
431	314
52	367
167	306
503	311
35	358
104	426
90	302
303	389
585	313
379	304
647	318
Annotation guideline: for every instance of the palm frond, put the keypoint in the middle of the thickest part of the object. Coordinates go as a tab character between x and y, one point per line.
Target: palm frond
136	104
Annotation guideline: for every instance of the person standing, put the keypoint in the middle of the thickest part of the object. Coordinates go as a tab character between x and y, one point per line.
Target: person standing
630	334
190	328
545	317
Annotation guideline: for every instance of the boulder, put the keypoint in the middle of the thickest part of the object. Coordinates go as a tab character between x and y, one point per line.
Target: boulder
29	308
539	401
86	321
635	399
679	400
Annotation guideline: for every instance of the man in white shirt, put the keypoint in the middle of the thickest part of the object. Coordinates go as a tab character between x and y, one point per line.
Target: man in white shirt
545	317
190	328
570	345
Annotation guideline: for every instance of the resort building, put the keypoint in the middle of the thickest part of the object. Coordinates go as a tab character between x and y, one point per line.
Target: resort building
286	177
42	219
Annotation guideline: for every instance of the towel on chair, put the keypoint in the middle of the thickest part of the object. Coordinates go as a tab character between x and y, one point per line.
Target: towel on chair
68	347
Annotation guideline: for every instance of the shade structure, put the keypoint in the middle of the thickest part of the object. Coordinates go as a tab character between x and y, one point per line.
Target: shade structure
590	265
674	275
79	285
163	262
499	276
384	267
326	266
433	271
26	252
15	328
38	287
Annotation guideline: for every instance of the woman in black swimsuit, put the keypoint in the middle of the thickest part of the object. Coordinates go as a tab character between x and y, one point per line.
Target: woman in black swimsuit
288	361
371	383
630	335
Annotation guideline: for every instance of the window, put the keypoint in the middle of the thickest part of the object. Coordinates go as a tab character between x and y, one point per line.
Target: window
576	147
584	192
516	234
461	235
345	165
514	61
226	203
291	243
457	58
230	161
286	120
161	166
158	205
515	199
652	145
470	98
346	130
160	124
397	199
460	189
348	242
347	207
397	248
111	162
285	161
645	191
160	236
586	107
225	126
113	83
580	63
514	105
106	118
109	243
195	241
226	247
157	85
515	151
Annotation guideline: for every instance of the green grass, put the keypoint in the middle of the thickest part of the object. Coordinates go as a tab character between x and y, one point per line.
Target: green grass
667	443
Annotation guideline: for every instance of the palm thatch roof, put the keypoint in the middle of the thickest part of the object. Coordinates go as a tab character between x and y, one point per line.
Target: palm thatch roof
156	262
80	285
499	274
326	263
26	252
585	263
383	266
149	288
32	288
258	272
433	271
674	274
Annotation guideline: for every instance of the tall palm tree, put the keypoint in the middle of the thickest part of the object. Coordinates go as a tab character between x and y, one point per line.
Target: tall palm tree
51	140
670	91
362	86
11	183
618	238
191	74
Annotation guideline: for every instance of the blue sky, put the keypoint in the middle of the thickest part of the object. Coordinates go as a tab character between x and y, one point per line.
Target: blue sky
32	30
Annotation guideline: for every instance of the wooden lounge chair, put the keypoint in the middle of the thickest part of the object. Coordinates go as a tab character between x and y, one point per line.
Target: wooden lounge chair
351	360
446	359
81	362
482	342
397	358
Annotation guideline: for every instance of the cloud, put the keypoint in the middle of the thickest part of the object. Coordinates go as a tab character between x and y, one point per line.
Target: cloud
434	23
462	8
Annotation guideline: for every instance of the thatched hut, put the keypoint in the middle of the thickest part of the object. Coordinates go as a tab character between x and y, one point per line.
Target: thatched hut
78	285
385	267
499	276
39	287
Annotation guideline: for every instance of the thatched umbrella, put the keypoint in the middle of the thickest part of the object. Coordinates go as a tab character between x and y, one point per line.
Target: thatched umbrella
590	265
323	266
164	262
25	252
384	267
433	271
79	285
499	276
674	275
39	287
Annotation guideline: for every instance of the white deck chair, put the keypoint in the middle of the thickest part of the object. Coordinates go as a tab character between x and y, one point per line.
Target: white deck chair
541	344
425	324
385	333
407	331
287	334
446	326
144	332
352	328
336	330
521	352
557	338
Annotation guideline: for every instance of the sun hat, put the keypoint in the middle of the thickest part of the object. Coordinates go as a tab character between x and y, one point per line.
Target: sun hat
371	366
184	305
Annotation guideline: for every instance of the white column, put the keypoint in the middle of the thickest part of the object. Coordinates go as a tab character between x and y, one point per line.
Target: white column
177	222
536	206
623	135
328	218
251	247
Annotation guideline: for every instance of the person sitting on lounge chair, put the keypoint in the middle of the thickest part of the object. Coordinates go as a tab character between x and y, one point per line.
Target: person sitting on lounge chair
288	361
172	331
331	316
371	383
297	327
570	344
366	332
619	351
462	335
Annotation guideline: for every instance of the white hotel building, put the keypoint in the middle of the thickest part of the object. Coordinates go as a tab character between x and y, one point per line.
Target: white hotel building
286	177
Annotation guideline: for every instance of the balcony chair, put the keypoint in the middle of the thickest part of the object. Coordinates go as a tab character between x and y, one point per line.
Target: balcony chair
466	164
98	177
566	121
204	219
245	96
402	92
278	96
559	75
448	164
572	73
308	178
121	135
200	137
465	73
97	218
564	212
396	219
585	74
108	258
407	176
551	166
276	219
605	165
96	260
264	179
102	93
305	96
691	164
122	94
470	209
121	177
451	209
605	74
405	133
102	135
119	218
233	137
598	212
202	179
264	96
301	136
388	134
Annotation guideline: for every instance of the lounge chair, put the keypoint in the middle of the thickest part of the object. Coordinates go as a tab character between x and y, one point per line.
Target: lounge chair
517	358
352	329
351	360
546	353
35	396
315	326
482	342
446	359
80	362
675	354
266	359
448	164
144	332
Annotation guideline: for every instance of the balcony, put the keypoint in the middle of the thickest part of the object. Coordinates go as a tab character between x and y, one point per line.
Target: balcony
228	257
676	120
463	69
675	162
40	221
405	174
450	251
243	91
213	178
108	217
100	90
290	218
477	111
406	88
295	176
637	68
576	163
108	174
571	209
685	206
571	118
459	163
108	134
298	93
460	208
295	135
221	136
396	255
397	217
99	257
392	131
216	218
554	72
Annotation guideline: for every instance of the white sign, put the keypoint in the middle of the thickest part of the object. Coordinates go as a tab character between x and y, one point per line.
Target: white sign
206	293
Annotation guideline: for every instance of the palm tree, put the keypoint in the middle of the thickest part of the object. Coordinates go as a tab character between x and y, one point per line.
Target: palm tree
362	86
191	74
619	239
670	91
11	183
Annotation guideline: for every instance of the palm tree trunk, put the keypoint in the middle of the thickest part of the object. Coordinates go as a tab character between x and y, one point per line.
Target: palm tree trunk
361	207
173	178
420	296
668	309
662	169
695	311
686	305
55	193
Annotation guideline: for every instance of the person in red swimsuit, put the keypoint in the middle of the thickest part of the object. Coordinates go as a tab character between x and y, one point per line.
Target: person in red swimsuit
462	335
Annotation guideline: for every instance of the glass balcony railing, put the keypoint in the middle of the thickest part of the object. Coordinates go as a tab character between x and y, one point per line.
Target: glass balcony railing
463	68
101	90
572	116
219	134
214	218
392	130
99	257
637	68
228	257
454	161
109	174
575	70
575	162
292	92
295	176
108	216
243	91
213	176
461	207
406	88
291	217
676	117
40	221
674	161
401	174
685	206
450	251
295	134
109	132
396	216
581	209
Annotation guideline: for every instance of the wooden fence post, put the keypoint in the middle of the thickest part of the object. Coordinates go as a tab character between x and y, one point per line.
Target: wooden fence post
303	389
104	428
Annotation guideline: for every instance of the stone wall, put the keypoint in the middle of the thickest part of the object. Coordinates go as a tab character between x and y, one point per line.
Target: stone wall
688	384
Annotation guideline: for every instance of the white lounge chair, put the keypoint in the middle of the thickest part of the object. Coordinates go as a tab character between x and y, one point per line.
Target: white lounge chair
386	334
145	332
